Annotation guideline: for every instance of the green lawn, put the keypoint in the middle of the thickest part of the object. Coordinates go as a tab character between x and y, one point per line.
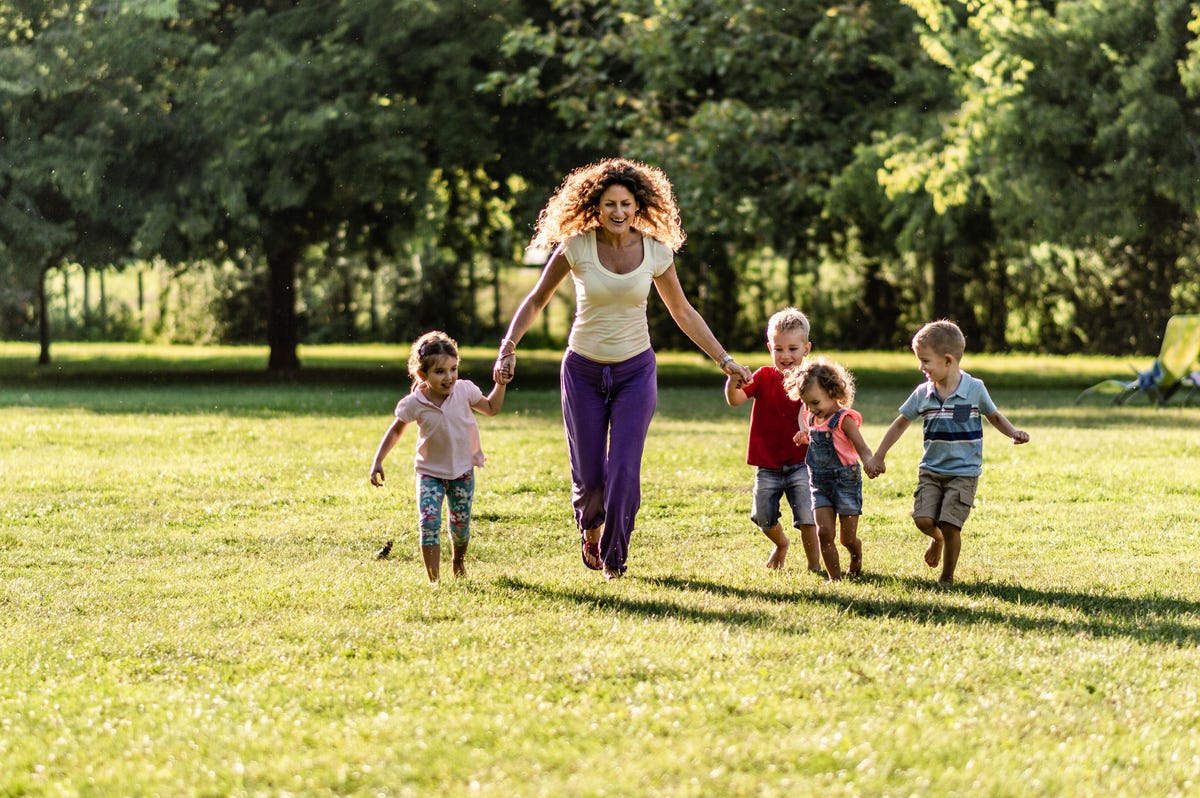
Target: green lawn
191	604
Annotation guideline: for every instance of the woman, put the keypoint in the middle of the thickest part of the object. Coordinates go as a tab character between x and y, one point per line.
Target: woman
614	227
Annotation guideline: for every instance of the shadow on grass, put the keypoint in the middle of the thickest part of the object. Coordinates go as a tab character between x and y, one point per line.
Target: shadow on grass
1150	620
659	608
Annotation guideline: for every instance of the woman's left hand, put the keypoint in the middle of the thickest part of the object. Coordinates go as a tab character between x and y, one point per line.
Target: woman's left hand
733	367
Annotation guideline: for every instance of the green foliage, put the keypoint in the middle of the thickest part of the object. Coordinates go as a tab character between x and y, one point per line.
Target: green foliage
379	163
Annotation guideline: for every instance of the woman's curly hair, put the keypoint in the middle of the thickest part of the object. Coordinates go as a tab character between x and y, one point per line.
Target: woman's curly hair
575	206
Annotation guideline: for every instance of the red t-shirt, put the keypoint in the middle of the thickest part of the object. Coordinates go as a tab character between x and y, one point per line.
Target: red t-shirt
774	420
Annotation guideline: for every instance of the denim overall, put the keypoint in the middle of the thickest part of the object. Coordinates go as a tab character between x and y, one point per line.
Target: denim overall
833	484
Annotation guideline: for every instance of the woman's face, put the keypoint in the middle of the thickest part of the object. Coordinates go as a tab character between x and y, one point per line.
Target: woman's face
617	209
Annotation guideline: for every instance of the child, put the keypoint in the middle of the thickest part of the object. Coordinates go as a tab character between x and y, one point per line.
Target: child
777	459
950	403
835	443
448	447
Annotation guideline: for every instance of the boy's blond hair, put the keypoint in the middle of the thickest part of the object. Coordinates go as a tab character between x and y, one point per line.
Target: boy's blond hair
943	337
787	320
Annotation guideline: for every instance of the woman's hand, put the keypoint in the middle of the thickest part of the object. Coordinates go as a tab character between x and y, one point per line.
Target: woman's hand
505	368
732	368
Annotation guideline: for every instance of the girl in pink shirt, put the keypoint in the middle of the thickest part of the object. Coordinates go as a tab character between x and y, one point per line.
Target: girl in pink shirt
448	448
835	443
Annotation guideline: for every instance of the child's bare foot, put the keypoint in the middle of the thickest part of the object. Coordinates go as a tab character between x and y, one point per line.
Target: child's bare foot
460	569
778	556
933	554
855	568
946	582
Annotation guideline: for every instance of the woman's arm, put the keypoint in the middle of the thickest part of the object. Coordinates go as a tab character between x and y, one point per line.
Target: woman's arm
535	302
693	324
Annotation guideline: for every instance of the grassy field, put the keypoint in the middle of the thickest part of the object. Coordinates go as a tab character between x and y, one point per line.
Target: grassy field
191	604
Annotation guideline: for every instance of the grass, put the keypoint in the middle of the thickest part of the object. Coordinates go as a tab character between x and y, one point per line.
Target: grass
192	607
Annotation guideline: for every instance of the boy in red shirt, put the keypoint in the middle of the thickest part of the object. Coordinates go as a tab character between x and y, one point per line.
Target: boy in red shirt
779	468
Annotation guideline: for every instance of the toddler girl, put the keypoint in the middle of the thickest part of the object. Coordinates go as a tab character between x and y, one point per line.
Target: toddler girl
832	430
448	447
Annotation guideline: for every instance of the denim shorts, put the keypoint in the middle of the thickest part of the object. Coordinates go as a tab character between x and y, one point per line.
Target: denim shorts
771	485
839	488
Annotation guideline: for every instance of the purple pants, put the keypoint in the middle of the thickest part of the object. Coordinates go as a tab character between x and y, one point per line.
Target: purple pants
607	409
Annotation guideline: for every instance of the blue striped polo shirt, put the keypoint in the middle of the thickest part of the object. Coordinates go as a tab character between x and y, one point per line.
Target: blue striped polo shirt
953	428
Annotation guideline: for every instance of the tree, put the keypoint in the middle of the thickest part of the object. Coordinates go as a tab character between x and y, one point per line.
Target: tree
1074	119
752	108
77	115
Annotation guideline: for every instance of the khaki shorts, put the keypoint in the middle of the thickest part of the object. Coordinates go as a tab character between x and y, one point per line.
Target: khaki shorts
944	498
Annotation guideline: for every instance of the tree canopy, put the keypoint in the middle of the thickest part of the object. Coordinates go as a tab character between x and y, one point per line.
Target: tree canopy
1029	169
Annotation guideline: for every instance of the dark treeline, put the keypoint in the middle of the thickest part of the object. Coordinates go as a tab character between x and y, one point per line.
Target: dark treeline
367	169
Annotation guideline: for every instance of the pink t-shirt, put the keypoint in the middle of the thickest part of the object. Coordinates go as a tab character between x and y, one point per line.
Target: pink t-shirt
447	437
841	443
774	421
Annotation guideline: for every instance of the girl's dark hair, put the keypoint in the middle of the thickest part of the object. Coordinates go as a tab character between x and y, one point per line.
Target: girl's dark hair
427	348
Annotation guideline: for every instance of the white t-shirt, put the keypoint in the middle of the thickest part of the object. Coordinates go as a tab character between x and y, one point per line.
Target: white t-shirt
610	309
447	437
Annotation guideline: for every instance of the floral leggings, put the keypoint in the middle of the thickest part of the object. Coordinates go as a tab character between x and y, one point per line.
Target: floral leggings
458	493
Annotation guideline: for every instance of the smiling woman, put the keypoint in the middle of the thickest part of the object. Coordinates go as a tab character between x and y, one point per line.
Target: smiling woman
614	227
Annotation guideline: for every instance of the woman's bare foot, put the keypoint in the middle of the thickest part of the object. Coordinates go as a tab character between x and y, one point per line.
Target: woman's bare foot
933	554
460	569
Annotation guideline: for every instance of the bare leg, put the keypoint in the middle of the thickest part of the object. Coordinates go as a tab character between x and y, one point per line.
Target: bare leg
459	561
812	546
827	534
432	555
779	554
953	537
850	539
933	554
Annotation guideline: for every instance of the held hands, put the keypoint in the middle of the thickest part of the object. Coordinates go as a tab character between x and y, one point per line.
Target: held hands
504	369
737	373
873	467
801	438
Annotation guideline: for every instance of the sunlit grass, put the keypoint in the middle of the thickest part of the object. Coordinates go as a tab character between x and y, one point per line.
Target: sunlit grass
192	607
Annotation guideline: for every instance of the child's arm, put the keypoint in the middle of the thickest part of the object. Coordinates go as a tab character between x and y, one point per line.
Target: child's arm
385	445
889	439
734	395
1001	423
802	437
490	405
855	435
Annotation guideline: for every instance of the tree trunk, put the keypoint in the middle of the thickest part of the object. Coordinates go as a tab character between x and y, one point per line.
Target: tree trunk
942	287
43	321
66	282
103	304
87	300
282	337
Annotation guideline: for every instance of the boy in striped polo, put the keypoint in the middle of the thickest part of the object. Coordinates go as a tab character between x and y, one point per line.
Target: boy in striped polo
951	404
